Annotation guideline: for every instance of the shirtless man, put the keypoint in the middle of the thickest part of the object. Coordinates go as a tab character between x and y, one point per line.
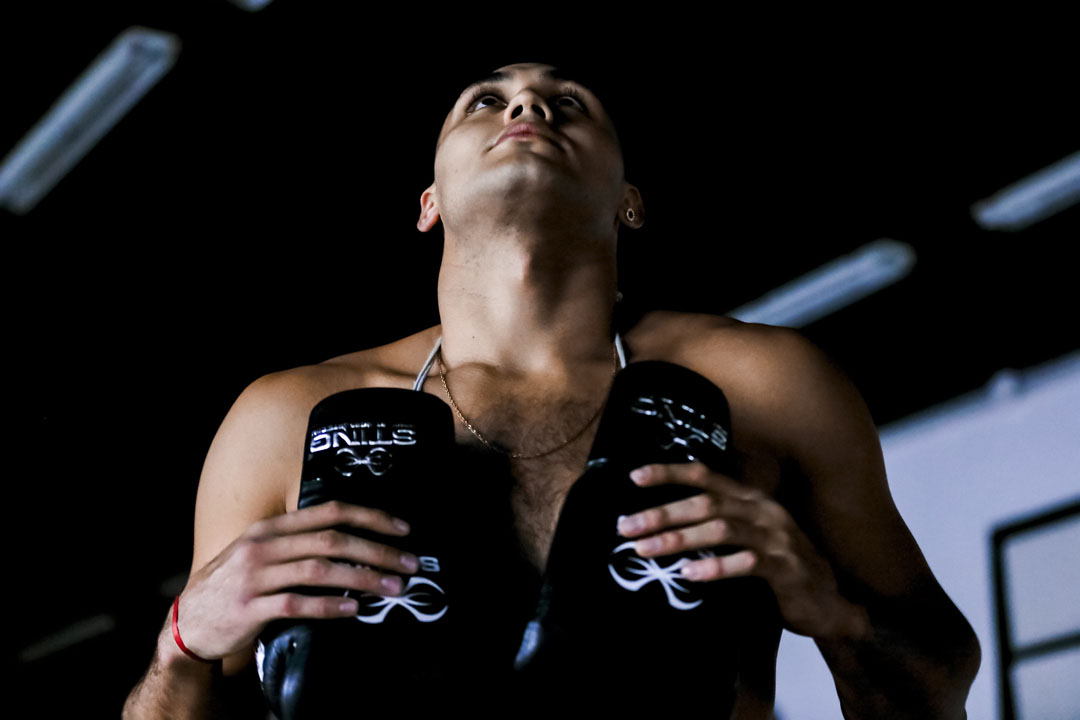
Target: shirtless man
526	295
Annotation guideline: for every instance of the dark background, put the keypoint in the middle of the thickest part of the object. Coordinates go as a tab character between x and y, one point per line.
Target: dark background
256	211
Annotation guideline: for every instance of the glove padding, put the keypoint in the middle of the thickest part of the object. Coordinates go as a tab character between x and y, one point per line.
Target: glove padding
607	616
384	448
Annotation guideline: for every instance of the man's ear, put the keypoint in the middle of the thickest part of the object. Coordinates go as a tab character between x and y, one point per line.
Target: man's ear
631	200
429	211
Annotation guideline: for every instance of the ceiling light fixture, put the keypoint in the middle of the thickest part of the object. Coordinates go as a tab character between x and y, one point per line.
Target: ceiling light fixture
1036	197
832	286
116	80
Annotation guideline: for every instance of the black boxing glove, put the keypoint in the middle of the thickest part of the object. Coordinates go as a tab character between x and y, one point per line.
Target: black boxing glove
607	614
383	448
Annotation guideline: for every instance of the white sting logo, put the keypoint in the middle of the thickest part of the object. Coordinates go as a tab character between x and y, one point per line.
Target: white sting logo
410	600
647	570
686	426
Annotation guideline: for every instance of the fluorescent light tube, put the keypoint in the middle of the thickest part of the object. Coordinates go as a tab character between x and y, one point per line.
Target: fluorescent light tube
116	80
832	286
70	636
251	5
1035	198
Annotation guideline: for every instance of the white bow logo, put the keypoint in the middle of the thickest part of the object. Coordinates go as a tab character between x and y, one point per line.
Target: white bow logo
409	600
378	461
647	570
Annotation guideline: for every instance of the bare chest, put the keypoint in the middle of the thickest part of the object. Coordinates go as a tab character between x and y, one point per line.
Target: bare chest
536	500
540	486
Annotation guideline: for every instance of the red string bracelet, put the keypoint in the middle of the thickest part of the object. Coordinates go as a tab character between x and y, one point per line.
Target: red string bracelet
176	632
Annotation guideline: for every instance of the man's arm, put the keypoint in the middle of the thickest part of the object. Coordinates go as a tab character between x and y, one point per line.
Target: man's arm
843	566
250	554
910	652
242	481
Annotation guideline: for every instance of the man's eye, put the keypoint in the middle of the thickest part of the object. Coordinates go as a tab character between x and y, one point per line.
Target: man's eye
482	101
475	103
570	101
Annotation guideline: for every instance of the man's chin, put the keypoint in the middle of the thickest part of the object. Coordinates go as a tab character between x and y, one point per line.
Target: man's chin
532	173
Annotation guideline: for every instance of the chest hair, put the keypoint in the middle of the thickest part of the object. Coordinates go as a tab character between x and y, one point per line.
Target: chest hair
540	485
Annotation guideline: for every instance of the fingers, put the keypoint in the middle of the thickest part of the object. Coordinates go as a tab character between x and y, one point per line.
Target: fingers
294	605
696	509
727	513
712	532
723	566
328	515
694	474
682	512
334	544
321	572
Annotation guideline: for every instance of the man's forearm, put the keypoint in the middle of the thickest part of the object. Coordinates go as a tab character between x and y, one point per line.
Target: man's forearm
175	686
912	660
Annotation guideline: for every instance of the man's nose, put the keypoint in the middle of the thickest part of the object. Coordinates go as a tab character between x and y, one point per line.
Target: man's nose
526	102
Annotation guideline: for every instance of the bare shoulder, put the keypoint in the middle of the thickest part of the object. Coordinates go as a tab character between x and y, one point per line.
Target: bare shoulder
781	385
695	337
252	469
760	368
254	462
699	337
297	390
798	405
269	419
255	454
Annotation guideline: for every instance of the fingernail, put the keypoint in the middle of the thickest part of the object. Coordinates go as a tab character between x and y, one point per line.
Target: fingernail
746	562
692	571
629	524
409	561
401	525
639	474
392	584
350	606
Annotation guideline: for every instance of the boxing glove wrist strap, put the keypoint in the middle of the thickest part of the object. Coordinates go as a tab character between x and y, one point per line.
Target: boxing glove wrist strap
176	633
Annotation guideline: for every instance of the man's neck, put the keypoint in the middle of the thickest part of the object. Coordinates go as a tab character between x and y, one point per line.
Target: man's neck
517	312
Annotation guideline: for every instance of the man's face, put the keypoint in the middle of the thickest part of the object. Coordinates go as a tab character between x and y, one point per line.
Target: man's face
572	155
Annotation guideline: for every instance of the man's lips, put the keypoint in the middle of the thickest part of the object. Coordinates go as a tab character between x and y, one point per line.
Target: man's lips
523	129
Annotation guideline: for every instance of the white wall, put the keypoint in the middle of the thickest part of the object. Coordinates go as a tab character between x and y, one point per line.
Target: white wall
956	472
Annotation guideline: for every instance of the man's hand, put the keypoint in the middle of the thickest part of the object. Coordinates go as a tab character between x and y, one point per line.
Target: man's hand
728	513
229	601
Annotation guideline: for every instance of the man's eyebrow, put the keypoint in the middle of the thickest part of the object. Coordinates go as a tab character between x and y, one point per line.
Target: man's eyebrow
499	76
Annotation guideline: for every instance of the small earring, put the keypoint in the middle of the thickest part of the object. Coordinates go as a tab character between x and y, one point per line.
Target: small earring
630	215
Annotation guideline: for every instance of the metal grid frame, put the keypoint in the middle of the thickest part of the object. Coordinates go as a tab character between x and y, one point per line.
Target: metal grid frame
1009	655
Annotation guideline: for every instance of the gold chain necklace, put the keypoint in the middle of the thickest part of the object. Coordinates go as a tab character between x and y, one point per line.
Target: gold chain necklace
516	456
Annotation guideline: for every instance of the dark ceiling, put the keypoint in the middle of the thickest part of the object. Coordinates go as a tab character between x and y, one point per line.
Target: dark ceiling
256	211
